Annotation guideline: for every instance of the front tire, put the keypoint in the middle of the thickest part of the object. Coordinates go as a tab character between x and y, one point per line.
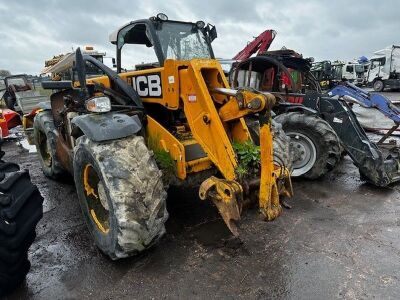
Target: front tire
45	142
315	145
121	194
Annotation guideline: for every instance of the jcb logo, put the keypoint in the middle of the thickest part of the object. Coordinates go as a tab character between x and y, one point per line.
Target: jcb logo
147	85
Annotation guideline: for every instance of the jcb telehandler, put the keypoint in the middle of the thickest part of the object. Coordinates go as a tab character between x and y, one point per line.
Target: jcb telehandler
124	137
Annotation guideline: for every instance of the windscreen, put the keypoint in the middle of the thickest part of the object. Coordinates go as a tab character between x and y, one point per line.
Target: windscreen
182	41
337	72
396	60
16	81
359	69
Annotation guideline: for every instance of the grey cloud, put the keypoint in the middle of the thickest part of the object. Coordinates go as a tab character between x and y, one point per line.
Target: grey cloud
32	31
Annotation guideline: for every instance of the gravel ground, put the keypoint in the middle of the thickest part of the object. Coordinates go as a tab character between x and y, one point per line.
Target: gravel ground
340	240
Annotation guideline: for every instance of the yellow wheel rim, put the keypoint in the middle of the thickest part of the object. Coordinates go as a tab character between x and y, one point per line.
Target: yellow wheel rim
96	199
44	149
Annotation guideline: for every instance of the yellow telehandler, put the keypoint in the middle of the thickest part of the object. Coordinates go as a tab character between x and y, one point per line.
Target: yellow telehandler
125	136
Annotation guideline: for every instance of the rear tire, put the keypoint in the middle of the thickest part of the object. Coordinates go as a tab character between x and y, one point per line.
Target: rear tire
121	193
20	211
45	142
378	85
315	145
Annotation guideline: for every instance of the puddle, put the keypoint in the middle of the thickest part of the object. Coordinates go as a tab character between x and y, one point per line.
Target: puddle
24	143
211	233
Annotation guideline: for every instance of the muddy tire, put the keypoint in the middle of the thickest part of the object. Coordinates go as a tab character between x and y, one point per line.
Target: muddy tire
121	193
282	155
45	142
315	146
20	211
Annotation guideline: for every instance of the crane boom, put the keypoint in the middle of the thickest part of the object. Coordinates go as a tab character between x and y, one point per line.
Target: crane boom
259	44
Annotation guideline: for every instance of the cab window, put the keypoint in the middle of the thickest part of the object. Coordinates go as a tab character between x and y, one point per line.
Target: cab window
350	69
137	51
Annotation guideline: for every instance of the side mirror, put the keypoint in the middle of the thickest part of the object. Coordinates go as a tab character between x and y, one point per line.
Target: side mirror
80	68
212	33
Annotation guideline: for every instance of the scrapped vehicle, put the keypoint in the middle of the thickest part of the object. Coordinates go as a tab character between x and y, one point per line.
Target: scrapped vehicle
325	74
352	72
384	69
20	95
316	148
320	124
330	74
8	120
126	136
60	66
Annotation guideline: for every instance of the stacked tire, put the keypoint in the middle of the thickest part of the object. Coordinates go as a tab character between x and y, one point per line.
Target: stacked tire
21	208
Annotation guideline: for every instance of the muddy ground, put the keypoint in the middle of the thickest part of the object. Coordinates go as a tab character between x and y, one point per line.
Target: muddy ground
340	240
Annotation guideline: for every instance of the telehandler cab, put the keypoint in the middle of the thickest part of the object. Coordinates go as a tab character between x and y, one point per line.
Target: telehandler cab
124	137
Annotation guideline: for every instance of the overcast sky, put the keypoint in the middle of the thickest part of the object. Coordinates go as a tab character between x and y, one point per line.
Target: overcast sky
33	31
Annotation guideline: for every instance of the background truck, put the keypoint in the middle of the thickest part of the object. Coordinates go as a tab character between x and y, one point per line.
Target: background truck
353	72
330	73
384	69
60	66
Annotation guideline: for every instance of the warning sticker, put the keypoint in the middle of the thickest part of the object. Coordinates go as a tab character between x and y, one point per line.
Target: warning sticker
337	120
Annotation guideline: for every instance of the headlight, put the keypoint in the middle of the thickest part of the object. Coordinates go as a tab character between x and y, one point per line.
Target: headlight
98	104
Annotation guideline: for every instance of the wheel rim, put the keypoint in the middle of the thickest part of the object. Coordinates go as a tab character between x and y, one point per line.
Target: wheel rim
378	85
96	199
44	149
304	153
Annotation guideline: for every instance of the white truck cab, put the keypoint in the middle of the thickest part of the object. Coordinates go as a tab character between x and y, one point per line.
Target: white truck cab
384	69
352	72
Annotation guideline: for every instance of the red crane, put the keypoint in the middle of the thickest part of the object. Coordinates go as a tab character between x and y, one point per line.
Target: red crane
259	44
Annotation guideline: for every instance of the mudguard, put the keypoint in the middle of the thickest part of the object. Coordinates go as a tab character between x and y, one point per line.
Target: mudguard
109	126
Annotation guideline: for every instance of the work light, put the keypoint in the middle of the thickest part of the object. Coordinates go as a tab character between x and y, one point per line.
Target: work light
162	17
200	24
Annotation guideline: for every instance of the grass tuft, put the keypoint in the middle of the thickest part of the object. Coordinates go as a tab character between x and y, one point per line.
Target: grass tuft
248	155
